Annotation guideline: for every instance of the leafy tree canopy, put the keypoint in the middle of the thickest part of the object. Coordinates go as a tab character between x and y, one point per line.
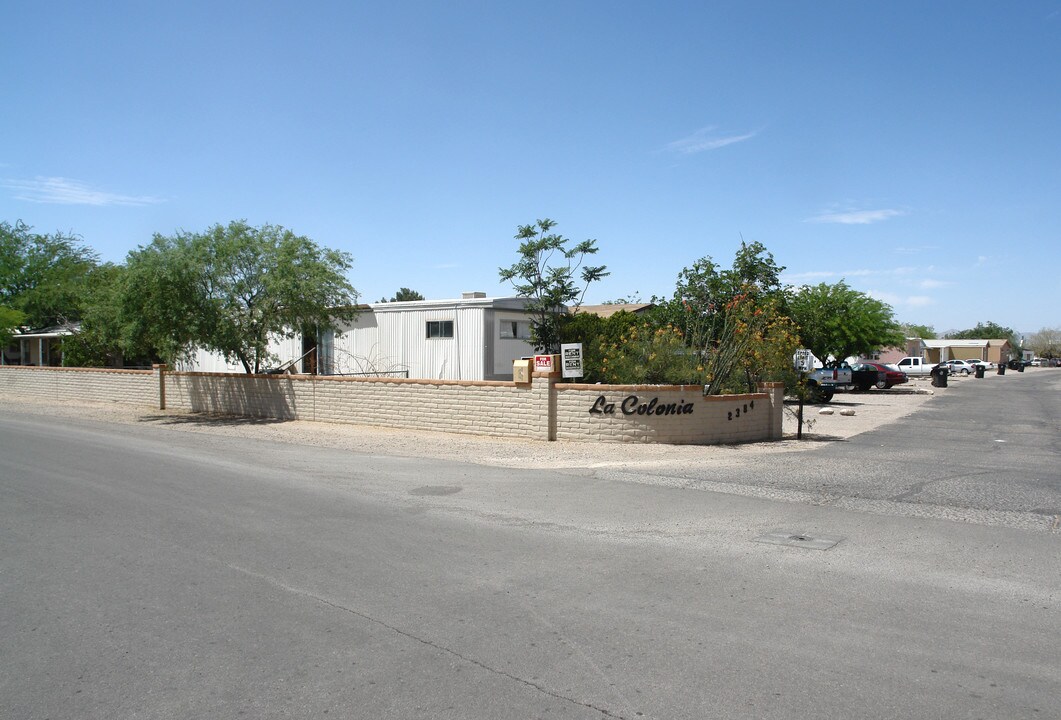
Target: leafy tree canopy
102	340
987	331
552	276
703	290
925	332
837	321
43	276
10	320
1045	343
230	289
403	295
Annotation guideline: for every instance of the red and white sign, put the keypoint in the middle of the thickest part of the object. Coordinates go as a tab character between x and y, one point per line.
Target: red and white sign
543	363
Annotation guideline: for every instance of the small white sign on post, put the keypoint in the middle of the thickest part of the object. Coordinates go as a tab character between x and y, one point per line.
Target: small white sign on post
803	360
571	360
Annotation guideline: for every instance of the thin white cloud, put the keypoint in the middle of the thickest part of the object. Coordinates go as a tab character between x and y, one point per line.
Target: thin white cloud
901	271
929	284
812	275
855	217
63	191
902	301
706	139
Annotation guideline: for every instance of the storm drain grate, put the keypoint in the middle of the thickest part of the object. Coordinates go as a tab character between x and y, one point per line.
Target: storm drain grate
803	540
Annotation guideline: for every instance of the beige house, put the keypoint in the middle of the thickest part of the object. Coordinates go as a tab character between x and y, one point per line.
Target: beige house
938	350
606	311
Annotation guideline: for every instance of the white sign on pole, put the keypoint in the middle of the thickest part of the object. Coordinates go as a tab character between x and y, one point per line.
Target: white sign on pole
803	360
571	359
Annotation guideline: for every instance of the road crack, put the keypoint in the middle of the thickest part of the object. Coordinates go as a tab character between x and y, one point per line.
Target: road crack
426	642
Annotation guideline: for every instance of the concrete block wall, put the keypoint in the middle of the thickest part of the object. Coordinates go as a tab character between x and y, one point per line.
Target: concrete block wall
542	409
674	414
479	407
130	387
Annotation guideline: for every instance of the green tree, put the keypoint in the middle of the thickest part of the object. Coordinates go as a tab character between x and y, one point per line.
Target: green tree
43	276
988	331
728	316
10	320
546	274
836	321
102	340
925	332
597	335
703	290
404	295
230	290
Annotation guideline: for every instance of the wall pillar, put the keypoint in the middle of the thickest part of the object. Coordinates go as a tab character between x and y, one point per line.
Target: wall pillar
776	391
160	373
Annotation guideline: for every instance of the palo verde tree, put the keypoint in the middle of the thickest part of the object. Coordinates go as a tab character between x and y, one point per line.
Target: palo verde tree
546	274
836	321
231	289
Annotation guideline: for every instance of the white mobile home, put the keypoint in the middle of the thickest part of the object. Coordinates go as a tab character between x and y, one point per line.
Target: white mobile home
470	338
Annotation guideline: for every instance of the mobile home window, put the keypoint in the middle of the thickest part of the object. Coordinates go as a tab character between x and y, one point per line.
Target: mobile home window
440	328
515	330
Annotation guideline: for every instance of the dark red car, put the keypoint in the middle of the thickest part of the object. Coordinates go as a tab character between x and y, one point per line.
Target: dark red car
891	376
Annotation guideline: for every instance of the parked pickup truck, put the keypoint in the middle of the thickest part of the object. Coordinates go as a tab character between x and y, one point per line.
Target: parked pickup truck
824	382
915	366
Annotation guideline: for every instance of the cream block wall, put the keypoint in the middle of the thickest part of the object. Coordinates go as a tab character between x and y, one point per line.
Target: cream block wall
130	387
543	409
673	414
478	408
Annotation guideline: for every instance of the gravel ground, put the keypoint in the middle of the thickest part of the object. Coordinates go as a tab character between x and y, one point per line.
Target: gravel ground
871	410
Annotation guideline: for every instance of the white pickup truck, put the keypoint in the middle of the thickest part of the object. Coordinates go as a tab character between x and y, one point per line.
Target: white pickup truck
915	366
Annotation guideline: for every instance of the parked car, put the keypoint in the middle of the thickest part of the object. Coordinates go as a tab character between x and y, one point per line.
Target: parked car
984	363
959	367
891	376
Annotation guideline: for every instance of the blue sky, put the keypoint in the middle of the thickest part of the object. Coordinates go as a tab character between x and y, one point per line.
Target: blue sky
911	148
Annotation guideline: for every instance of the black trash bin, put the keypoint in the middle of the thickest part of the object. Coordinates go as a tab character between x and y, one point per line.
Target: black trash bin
939	376
979	371
1002	368
1020	366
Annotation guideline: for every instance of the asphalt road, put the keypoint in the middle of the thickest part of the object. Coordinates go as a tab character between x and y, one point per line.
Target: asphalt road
985	451
147	573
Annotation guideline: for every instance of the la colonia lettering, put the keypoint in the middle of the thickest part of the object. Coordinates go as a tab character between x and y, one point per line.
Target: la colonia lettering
632	405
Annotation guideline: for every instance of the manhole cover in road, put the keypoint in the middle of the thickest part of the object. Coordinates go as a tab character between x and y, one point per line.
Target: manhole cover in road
436	490
797	539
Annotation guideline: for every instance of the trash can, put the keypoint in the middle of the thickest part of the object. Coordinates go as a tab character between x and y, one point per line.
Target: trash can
1002	368
939	376
1020	366
979	371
